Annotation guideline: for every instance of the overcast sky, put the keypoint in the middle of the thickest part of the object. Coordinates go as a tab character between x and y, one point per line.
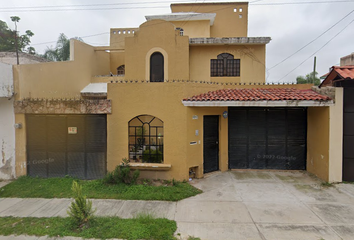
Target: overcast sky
291	27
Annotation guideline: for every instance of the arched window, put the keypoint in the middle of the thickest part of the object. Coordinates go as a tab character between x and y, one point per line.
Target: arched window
121	70
156	67
225	66
146	139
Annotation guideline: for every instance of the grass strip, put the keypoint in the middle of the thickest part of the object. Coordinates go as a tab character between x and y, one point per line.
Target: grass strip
142	227
29	187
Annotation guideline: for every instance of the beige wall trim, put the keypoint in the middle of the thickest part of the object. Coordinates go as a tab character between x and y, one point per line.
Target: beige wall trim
336	138
46	106
258	103
147	61
229	41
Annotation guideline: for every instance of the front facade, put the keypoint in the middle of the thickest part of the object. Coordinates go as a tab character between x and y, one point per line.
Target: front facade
182	95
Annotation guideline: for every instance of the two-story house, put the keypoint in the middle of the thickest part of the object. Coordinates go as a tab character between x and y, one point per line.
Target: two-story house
182	95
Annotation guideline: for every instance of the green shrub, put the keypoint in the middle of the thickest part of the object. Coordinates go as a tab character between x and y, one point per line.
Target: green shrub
81	209
122	174
152	156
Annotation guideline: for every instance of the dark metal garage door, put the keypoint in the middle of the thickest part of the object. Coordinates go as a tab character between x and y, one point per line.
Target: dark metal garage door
267	138
348	135
60	145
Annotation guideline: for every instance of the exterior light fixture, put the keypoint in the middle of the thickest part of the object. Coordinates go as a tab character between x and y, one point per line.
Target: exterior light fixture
225	114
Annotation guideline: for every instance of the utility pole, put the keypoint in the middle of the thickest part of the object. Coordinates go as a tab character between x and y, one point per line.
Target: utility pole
314	70
16	19
18	60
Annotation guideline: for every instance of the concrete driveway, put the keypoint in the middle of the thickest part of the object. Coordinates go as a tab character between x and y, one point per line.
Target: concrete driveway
272	205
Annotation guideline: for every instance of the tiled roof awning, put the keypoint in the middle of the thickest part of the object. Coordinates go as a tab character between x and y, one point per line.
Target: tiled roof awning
95	90
259	97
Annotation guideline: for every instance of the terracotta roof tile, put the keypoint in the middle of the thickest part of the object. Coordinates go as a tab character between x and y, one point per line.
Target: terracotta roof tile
259	94
345	71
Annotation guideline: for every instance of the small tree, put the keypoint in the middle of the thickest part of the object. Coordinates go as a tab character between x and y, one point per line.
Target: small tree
80	209
8	38
309	78
61	52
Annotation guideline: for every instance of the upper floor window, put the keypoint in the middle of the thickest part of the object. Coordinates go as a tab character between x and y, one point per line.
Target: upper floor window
225	66
180	31
121	70
156	67
146	139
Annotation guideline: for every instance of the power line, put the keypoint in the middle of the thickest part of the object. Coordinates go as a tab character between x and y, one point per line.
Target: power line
104	6
311	41
317	50
298	3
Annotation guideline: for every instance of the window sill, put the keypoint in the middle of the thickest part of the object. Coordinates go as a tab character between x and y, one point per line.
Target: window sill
150	166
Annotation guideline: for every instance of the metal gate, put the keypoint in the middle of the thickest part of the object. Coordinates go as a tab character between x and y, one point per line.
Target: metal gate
348	135
60	145
267	138
211	144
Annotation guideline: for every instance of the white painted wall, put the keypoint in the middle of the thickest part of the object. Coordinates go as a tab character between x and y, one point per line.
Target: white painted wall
6	80
7	139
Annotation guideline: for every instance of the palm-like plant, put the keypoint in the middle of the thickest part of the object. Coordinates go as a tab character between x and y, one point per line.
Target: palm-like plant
61	52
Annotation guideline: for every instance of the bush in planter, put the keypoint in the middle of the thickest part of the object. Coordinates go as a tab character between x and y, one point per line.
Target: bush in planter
122	174
152	156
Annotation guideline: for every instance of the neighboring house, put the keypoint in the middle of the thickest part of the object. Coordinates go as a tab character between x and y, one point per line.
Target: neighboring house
343	77
182	95
7	116
347	60
24	58
7	123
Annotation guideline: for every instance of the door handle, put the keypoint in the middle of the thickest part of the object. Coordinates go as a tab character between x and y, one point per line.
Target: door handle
217	142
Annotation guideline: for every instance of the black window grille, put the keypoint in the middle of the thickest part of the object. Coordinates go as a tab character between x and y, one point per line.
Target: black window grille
225	66
121	70
146	139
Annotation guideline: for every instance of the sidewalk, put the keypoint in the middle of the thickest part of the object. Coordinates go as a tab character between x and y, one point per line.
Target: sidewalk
234	205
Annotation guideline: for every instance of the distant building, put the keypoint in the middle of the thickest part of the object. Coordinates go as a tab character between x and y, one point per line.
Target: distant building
347	60
24	58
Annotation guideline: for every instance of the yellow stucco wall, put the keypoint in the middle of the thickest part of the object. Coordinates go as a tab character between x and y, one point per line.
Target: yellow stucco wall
318	141
61	79
194	29
227	22
118	35
117	58
157	36
252	62
20	145
133	99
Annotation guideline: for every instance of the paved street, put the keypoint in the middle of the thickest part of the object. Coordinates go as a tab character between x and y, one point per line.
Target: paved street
237	205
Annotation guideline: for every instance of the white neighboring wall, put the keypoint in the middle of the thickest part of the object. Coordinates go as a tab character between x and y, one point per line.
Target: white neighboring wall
7	122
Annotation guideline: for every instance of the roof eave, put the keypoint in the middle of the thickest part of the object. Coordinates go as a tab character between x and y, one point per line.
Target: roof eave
285	103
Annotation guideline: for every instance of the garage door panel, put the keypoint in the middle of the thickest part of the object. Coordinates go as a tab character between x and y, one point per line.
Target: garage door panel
76	142
76	164
348	144
296	157
256	156
348	126
37	163
348	170
348	100
65	152
238	157
96	167
56	164
276	138
36	135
